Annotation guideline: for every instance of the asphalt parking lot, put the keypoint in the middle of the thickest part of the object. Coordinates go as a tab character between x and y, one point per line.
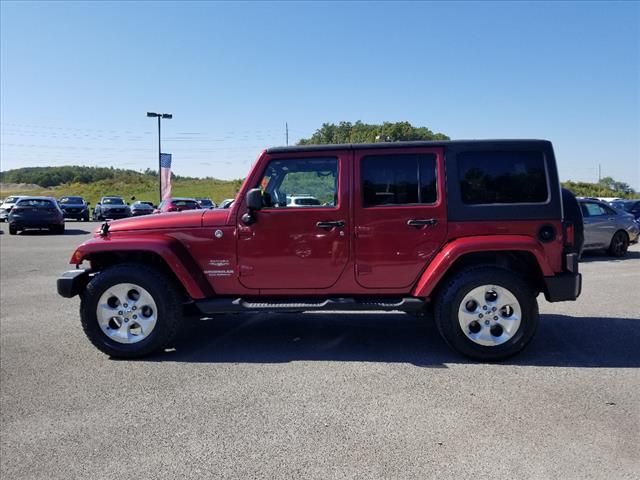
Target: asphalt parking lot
315	395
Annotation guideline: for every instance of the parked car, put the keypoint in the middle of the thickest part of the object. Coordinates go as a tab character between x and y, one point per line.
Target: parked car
74	207
606	228
628	206
178	205
141	208
7	205
206	203
473	229
111	207
36	212
302	201
226	203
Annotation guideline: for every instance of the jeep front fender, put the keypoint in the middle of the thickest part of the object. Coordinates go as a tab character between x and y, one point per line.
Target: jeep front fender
170	250
453	251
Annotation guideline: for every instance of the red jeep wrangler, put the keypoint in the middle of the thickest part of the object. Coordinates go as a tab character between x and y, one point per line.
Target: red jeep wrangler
474	229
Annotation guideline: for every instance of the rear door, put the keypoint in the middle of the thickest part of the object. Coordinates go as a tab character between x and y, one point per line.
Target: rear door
400	214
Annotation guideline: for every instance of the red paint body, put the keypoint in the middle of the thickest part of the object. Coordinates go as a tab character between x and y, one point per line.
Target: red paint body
213	253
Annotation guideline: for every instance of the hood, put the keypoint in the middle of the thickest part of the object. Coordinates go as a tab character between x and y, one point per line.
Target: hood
107	207
187	219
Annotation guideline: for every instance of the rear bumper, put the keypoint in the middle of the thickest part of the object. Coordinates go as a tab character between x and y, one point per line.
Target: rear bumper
564	286
72	282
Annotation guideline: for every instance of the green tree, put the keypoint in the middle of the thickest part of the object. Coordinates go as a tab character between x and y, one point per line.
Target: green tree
358	132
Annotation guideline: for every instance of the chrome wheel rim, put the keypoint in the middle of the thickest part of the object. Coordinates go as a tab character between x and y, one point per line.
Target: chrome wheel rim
126	313
489	315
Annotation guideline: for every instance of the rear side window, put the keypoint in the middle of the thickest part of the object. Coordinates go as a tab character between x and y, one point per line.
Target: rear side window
502	177
398	179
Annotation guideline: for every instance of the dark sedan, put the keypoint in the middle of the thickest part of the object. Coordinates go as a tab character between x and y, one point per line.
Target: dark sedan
141	208
111	207
36	212
74	207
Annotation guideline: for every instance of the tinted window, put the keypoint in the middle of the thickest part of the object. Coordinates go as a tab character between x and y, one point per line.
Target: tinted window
398	179
502	177
36	203
112	201
70	200
315	178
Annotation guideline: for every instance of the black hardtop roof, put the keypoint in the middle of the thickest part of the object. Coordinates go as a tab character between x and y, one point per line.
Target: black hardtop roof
436	143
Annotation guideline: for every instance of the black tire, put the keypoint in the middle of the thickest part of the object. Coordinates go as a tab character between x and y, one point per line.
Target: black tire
619	244
451	295
12	230
164	293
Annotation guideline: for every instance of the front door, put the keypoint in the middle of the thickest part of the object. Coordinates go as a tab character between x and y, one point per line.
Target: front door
400	214
299	239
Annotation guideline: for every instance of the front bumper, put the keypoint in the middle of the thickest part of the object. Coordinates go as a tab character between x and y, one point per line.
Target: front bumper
115	216
72	282
565	286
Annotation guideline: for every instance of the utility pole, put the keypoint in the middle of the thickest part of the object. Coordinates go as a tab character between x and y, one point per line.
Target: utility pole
599	172
159	116
286	130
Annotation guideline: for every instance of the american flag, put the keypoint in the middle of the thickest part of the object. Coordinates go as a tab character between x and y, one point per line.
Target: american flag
165	175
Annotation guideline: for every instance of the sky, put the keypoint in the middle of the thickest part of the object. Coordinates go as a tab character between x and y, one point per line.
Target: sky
77	78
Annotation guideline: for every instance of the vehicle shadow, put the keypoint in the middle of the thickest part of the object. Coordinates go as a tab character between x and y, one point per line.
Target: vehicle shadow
561	341
597	256
68	231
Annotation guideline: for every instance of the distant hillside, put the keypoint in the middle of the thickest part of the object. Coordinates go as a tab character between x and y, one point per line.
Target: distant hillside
95	182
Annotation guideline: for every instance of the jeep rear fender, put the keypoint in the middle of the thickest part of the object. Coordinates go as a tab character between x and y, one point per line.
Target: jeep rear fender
171	251
453	251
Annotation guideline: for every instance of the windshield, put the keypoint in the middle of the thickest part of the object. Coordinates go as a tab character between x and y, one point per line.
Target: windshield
205	203
185	203
35	202
68	200
11	199
112	201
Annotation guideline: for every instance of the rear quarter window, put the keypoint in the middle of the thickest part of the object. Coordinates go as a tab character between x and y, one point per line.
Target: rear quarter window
502	177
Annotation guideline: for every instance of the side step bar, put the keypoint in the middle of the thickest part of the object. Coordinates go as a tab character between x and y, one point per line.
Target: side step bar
238	305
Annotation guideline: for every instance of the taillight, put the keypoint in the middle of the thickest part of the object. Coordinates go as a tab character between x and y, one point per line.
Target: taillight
569	234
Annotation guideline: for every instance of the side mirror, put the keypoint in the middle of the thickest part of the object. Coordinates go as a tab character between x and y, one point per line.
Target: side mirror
254	203
254	199
133	198
88	203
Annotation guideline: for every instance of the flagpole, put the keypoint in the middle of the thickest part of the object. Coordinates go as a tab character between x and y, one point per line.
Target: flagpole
159	165
159	116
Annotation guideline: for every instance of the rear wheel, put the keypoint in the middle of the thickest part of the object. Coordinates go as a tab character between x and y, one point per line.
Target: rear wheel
487	313
12	230
619	244
130	310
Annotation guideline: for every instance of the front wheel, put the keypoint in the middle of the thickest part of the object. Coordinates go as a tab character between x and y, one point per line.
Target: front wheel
619	244
130	310
487	313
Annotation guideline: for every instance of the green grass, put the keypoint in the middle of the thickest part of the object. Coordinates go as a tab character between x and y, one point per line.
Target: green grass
142	187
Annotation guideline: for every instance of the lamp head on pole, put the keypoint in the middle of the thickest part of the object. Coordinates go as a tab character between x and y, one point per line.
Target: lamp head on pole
167	115
152	114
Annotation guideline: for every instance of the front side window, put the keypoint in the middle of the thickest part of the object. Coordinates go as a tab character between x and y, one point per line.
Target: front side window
489	177
305	182
398	179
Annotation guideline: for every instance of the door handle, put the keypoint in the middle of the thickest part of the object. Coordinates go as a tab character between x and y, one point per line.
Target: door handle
428	222
329	225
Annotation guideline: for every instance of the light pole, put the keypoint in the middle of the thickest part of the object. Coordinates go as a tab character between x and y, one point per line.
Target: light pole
159	116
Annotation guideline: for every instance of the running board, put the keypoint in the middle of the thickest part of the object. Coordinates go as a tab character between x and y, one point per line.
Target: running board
238	305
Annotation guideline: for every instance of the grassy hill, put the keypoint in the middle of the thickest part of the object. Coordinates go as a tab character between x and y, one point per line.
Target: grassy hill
143	187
